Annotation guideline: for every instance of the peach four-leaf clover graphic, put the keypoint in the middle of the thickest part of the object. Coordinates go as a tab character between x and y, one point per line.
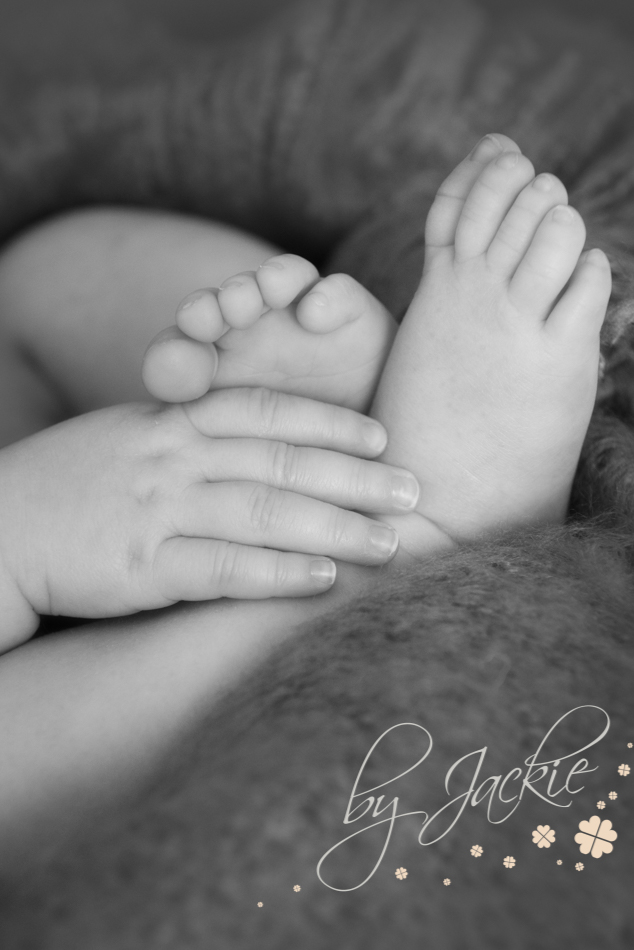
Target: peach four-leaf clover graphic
477	850
595	837
601	805
612	796
509	861
401	873
296	888
544	836
623	769
447	882
578	866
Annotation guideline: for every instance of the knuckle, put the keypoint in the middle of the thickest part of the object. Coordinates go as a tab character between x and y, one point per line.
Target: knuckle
264	508
285	464
334	421
361	481
277	573
264	407
338	528
236	566
228	564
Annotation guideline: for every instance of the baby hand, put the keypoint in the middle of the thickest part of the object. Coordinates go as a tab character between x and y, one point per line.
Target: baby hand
242	493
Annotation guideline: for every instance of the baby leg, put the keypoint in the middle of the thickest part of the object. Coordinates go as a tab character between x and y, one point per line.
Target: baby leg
81	296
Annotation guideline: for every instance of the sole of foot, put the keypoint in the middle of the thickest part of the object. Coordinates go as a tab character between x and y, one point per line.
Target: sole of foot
281	327
491	382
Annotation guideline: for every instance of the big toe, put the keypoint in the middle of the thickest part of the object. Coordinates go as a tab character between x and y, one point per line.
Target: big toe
177	368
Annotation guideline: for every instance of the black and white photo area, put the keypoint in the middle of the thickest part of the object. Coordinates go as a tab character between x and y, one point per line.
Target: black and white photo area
181	751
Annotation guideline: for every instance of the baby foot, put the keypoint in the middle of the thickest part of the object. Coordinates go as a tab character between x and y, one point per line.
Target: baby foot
280	327
489	388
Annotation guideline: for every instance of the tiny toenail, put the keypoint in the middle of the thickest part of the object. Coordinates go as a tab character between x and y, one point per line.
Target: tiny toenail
319	299
508	160
596	256
404	491
563	214
232	283
486	149
277	265
191	299
544	183
383	539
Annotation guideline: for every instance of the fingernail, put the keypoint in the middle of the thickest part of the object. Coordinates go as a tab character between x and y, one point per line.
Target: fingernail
544	183
323	571
375	437
383	539
486	149
404	491
563	214
508	160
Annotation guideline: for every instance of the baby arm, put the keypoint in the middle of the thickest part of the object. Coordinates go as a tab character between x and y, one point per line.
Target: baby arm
242	494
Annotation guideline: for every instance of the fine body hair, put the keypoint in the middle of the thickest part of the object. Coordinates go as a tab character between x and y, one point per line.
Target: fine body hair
329	134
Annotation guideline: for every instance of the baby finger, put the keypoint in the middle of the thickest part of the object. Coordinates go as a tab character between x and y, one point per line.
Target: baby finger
201	569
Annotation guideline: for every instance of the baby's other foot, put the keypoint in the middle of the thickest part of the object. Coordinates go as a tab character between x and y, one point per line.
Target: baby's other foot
281	327
491	382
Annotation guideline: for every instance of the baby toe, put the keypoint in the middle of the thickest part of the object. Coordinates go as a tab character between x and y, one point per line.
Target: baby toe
240	301
488	202
178	369
199	316
518	228
580	312
283	278
549	261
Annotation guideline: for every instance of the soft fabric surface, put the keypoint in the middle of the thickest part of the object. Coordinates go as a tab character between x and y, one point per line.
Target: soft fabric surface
329	134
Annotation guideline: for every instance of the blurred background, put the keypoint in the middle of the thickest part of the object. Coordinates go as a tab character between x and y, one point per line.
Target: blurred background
113	37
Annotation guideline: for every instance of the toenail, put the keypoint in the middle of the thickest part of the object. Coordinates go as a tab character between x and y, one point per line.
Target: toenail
404	491
544	182
486	149
191	299
276	265
383	539
508	160
232	283
319	299
563	214
597	257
